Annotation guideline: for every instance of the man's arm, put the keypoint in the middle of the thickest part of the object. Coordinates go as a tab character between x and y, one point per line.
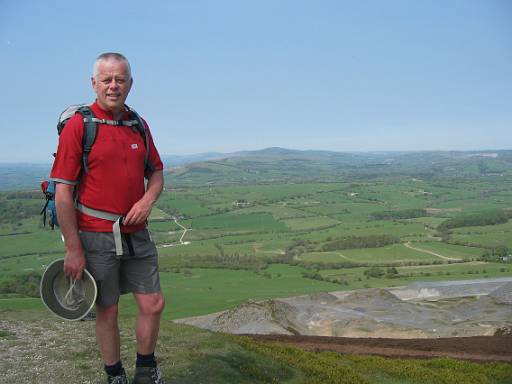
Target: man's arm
141	210
74	261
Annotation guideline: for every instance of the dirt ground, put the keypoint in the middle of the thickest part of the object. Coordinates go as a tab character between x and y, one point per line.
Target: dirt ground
478	349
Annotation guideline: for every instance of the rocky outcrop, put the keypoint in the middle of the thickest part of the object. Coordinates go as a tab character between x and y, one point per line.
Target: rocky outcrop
503	294
369	313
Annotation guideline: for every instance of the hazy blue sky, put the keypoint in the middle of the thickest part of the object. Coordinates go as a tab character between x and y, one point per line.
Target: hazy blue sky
237	75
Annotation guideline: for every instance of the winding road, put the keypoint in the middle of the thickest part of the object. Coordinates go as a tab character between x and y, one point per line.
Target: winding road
181	242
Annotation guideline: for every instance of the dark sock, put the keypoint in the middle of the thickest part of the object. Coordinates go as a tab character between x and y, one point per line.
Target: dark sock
146	360
115	369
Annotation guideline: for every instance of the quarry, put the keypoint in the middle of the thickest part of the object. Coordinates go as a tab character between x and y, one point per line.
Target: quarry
419	310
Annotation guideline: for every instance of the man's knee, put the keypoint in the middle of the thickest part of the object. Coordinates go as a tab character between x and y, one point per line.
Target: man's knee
151	304
107	313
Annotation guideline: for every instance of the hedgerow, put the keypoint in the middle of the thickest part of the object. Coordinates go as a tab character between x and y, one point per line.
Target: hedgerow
398	214
491	217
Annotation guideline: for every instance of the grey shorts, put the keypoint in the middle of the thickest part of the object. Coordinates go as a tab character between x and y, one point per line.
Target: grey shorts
135	271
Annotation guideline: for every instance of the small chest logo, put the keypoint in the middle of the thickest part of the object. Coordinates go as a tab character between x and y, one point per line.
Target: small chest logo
135	146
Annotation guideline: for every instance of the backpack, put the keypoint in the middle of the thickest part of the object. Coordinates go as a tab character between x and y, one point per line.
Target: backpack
49	211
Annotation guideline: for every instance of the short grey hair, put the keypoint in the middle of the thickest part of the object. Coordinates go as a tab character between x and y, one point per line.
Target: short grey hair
107	56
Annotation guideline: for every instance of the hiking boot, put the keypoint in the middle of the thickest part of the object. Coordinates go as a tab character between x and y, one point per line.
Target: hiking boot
121	379
148	375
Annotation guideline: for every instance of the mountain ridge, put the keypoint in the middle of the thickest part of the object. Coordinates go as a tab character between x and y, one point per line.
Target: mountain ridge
292	165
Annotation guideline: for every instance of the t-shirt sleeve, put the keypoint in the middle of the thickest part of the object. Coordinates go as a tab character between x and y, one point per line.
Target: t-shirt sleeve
154	156
68	160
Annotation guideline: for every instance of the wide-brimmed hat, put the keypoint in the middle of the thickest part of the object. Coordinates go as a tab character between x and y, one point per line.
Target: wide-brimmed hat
67	298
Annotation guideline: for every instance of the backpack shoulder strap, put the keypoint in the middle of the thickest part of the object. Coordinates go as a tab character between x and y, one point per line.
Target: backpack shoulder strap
90	130
141	128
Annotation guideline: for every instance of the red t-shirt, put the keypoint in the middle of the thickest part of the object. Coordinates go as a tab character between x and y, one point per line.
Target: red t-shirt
115	177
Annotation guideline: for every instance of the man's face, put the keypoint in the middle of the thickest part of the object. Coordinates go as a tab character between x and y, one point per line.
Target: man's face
112	85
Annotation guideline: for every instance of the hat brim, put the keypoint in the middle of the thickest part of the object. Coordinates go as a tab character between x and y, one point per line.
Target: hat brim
56	286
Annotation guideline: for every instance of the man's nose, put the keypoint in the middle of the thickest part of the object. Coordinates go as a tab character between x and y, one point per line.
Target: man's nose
113	83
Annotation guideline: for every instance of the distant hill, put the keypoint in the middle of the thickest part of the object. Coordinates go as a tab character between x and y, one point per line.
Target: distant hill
17	176
277	164
287	165
176	160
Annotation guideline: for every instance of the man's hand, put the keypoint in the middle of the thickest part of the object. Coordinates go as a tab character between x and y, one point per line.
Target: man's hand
74	264
139	212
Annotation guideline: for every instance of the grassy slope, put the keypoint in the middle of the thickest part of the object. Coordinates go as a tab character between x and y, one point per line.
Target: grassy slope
41	349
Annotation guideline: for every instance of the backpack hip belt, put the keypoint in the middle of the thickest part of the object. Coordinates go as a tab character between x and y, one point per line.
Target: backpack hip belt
116	227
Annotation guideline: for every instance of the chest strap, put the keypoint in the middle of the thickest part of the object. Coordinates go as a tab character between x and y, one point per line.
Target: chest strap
125	123
116	227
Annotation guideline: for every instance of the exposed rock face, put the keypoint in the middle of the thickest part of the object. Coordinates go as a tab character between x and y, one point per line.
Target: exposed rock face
373	296
272	316
372	313
451	289
503	294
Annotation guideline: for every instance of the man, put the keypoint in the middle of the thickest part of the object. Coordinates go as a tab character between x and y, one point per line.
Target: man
113	184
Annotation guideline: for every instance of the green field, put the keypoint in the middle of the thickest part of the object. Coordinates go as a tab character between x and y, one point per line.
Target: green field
390	254
25	264
251	222
410	252
239	232
200	291
450	250
31	243
310	222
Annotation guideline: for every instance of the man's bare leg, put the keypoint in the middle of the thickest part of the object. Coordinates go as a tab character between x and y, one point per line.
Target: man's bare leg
107	333
150	306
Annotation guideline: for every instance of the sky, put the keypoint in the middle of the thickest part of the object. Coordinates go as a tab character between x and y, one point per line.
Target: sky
223	76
